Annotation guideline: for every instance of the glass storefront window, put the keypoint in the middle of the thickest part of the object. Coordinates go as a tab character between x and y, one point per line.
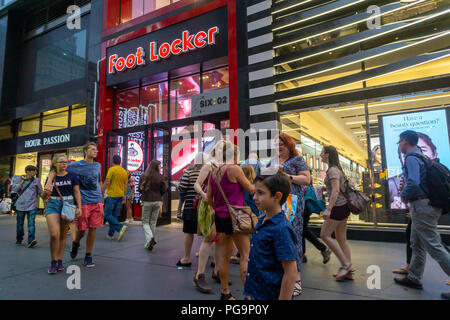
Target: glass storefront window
181	91
346	128
312	130
78	116
23	160
215	79
76	154
127	109
121	11
5	131
29	125
130	9
154	102
55	119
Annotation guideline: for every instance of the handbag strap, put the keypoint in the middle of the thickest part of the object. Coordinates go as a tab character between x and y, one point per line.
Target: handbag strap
59	193
219	186
23	190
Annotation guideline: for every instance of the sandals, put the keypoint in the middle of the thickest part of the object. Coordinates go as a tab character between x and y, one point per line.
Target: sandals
401	271
344	273
226	296
298	288
181	264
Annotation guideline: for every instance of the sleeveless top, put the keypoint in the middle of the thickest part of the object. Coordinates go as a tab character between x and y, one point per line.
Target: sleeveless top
233	191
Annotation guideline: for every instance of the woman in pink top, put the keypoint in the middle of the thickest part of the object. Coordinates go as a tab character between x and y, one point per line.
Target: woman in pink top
233	182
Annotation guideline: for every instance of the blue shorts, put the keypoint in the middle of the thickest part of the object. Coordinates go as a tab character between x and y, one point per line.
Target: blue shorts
55	206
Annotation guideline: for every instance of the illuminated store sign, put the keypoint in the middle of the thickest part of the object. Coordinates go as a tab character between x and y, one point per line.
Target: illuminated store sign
188	42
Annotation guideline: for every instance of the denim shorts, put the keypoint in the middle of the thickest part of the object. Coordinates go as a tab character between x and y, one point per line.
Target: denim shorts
54	206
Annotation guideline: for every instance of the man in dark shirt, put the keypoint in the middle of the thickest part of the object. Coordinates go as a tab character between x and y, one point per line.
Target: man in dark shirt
272	266
424	233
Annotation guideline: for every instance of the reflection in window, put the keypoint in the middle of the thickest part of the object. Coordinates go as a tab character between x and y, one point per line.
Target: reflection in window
130	9
78	117
30	126
61	61
121	11
154	102
215	79
181	91
55	120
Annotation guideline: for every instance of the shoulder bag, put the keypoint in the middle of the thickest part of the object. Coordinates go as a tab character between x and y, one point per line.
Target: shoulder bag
68	210
357	201
243	219
16	197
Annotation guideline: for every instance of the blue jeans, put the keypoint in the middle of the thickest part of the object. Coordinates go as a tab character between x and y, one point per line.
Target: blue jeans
31	216
111	209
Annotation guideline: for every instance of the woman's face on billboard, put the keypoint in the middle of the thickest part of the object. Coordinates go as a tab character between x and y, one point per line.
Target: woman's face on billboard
426	149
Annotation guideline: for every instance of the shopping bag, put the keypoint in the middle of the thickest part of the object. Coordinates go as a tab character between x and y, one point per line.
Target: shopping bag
290	207
5	205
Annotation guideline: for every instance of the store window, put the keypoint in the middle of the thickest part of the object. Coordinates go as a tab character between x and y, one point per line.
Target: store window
23	160
78	116
55	119
121	11
76	154
5	131
181	91
368	149
29	125
215	79
154	102
128	113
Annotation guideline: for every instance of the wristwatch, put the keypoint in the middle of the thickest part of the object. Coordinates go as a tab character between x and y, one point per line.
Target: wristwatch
291	177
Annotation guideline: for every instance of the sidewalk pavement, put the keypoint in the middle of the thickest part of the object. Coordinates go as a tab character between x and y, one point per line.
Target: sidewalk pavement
126	270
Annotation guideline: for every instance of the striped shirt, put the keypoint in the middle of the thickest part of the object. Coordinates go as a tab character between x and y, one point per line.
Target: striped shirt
187	186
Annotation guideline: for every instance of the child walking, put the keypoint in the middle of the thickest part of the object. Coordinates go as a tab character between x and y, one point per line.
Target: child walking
272	267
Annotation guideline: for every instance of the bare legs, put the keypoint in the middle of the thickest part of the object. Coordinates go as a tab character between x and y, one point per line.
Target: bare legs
90	238
339	246
188	241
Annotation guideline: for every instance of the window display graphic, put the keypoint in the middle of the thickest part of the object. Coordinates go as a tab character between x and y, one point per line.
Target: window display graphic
432	129
135	156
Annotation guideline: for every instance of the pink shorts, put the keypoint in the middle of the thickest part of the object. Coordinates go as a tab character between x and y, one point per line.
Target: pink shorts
91	216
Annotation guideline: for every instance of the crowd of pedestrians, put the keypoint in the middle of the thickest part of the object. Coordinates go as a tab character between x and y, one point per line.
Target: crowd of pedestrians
230	206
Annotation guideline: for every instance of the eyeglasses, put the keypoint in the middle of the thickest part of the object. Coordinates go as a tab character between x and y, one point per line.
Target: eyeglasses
63	162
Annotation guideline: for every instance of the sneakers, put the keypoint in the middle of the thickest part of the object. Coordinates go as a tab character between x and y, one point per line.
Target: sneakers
73	253
60	266
32	244
407	282
53	269
88	262
122	233
128	221
445	295
109	237
326	255
18	243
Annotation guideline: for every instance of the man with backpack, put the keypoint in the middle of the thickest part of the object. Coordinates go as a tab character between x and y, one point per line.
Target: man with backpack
427	191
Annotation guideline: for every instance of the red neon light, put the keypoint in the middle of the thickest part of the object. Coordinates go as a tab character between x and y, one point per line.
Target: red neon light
185	44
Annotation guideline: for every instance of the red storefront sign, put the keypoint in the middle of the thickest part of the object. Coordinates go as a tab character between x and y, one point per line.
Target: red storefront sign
185	44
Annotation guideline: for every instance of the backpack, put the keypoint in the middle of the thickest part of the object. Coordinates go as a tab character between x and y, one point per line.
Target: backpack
437	181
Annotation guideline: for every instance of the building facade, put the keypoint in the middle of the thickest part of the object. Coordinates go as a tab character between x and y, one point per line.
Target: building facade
48	72
354	74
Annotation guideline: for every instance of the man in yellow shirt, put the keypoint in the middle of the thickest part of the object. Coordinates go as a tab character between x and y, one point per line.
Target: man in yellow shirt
115	186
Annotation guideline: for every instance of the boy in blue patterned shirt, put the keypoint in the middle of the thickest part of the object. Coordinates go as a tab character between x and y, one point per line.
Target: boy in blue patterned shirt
272	267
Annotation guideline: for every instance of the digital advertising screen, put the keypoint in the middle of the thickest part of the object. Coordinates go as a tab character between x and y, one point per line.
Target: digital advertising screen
432	129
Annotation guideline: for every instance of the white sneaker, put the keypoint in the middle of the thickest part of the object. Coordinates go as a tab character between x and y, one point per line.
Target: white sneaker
109	237
122	232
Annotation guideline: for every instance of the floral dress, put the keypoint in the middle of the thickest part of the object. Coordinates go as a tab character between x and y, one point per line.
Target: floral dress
293	166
